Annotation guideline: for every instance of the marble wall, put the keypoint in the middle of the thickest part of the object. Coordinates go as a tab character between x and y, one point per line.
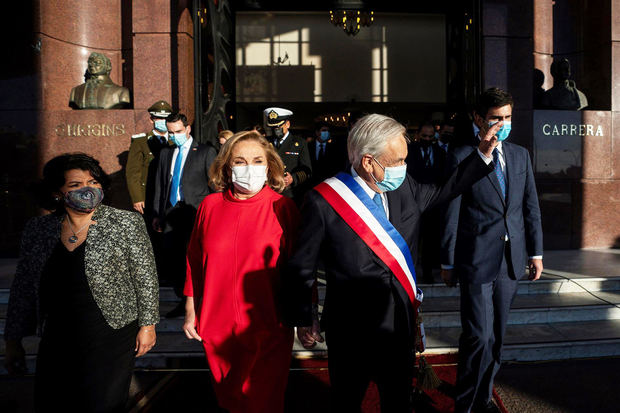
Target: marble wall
150	45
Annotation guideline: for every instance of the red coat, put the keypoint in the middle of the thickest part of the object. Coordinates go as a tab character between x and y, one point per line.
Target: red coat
232	272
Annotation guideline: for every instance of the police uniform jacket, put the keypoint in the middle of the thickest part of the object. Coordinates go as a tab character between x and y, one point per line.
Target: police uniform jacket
140	170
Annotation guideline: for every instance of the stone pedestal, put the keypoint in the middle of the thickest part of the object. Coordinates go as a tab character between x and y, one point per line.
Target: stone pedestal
103	134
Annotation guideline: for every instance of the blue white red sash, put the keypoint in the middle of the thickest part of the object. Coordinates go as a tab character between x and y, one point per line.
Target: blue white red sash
355	207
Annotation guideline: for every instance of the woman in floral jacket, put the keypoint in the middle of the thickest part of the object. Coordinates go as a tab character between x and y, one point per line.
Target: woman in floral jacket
86	283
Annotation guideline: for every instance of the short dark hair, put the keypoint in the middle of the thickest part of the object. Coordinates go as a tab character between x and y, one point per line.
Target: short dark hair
54	177
428	123
492	98
320	124
177	116
447	122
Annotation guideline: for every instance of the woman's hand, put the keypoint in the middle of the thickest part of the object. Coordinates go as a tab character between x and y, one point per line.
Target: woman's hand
189	326
15	358
145	340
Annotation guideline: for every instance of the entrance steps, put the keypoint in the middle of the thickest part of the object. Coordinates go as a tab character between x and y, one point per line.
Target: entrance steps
552	318
560	316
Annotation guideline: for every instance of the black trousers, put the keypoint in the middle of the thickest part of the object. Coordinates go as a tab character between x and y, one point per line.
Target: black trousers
178	226
484	315
387	360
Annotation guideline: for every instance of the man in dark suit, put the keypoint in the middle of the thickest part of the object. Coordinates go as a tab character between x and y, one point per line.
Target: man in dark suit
426	163
490	232
293	151
328	155
368	315
181	185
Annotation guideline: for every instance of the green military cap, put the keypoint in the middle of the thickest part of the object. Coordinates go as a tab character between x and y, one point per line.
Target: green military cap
160	109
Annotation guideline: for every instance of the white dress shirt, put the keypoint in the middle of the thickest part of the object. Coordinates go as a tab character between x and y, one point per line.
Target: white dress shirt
371	192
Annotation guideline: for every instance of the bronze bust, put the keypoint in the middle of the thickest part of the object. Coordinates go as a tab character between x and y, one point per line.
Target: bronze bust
564	94
98	91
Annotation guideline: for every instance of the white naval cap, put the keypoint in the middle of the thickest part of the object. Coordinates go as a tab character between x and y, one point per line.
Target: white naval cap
275	117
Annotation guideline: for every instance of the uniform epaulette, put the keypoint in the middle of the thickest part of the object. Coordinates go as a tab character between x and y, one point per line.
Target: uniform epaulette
139	135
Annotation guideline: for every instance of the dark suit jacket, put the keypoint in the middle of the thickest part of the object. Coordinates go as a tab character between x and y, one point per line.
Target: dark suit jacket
361	291
194	181
477	221
334	161
417	168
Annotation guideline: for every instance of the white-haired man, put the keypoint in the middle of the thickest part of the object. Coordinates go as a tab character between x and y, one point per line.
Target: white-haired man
363	224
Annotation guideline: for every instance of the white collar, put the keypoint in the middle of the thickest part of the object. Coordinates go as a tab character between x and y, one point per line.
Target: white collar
159	135
371	192
284	138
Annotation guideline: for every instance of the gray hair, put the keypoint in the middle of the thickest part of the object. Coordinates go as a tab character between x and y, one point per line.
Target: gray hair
370	135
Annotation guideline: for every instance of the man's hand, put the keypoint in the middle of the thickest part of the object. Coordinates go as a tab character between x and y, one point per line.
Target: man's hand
536	268
15	358
139	206
157	225
488	140
309	336
288	179
448	277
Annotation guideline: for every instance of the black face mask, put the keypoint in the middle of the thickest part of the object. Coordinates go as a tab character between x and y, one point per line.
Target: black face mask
447	137
425	143
278	132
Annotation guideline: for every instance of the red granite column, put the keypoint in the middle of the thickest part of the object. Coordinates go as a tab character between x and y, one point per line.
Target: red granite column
163	66
543	39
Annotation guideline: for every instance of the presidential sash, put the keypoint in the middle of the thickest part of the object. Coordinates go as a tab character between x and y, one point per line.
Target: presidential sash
355	207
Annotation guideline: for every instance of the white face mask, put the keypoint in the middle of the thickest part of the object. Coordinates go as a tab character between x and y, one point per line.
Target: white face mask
249	179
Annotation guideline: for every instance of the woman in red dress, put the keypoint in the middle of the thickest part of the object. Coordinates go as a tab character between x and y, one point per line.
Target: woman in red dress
241	236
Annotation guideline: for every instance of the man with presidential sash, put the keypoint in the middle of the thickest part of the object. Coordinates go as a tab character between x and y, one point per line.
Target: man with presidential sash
362	223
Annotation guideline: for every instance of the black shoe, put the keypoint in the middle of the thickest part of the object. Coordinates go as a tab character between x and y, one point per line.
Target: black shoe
177	311
490	407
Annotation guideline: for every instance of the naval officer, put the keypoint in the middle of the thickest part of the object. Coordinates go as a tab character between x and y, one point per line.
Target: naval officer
292	149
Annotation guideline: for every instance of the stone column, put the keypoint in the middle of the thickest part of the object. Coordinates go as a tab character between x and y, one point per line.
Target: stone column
506	45
543	39
163	56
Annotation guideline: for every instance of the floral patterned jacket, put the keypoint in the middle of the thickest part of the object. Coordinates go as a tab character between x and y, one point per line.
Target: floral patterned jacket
119	266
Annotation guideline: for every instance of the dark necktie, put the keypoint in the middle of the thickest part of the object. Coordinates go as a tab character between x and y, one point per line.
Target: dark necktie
499	173
427	157
321	151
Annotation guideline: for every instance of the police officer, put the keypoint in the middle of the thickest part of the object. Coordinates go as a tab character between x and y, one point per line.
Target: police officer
292	150
144	148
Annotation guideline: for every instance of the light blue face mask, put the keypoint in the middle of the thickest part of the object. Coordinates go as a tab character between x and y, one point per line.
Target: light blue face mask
504	131
324	135
160	125
178	138
393	177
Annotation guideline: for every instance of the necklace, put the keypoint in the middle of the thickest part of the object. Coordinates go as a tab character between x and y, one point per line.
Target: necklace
73	238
